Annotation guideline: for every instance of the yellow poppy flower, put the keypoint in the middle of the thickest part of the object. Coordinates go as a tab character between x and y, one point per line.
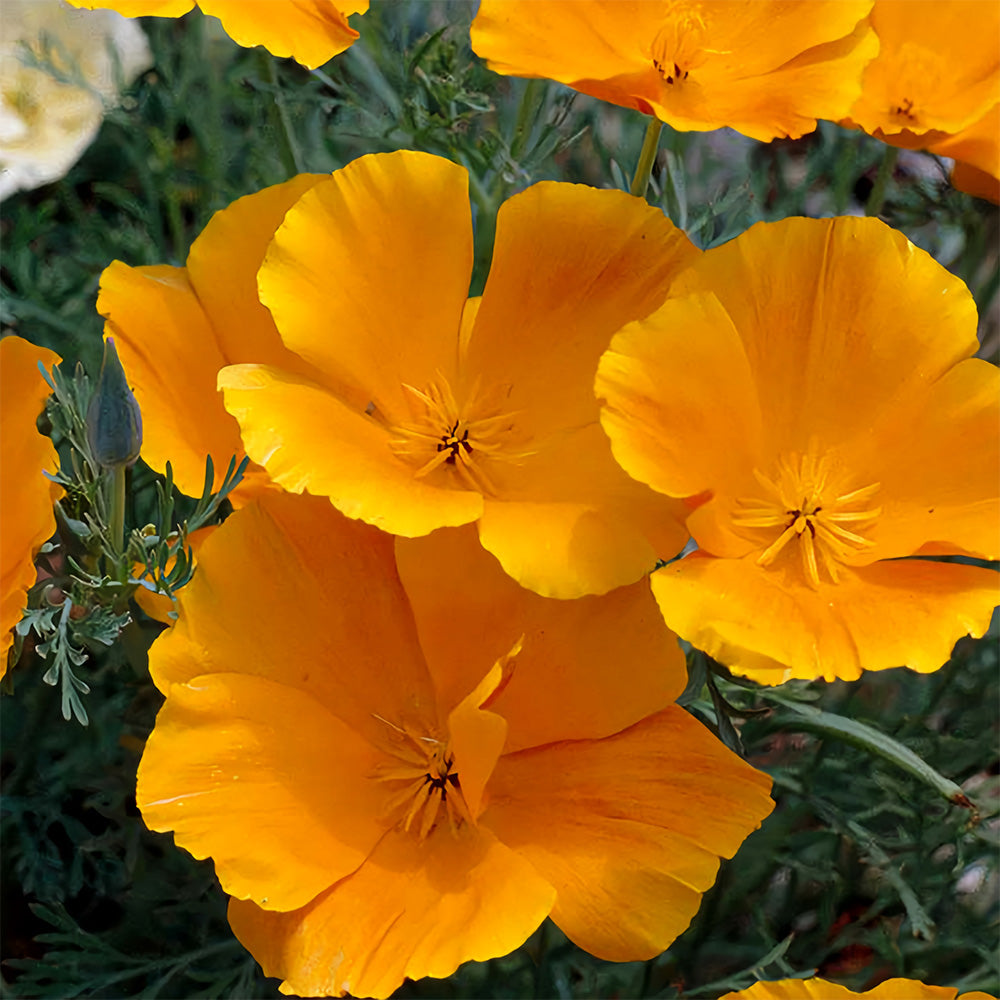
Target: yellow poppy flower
175	327
435	410
935	85
763	67
815	378
26	496
820	989
428	758
310	31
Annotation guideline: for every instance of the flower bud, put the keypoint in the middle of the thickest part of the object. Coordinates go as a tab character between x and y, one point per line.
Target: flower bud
114	423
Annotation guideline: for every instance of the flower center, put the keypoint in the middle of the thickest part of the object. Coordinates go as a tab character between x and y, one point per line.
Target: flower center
423	769
803	506
466	438
679	45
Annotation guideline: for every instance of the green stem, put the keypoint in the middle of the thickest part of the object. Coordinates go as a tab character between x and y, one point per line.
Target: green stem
646	158
874	742
118	509
527	112
288	148
885	169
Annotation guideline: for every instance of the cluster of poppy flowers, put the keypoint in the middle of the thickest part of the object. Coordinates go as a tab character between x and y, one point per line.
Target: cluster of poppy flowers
469	723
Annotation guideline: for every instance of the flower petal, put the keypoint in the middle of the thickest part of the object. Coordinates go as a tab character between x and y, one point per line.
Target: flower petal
26	496
938	67
298	552
571	265
976	151
822	989
656	379
176	327
766	68
310	31
308	439
467	610
411	910
772	625
577	524
284	811
853	303
935	488
629	829
394	231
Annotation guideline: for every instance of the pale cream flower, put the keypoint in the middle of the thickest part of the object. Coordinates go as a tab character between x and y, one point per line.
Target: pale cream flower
59	69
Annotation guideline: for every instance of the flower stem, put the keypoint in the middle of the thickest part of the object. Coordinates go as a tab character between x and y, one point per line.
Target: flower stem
288	148
118	508
885	169
646	158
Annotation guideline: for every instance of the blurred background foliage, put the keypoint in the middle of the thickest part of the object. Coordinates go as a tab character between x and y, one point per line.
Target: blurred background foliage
863	872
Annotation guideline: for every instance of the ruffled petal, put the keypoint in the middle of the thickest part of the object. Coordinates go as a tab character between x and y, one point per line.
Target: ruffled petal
285	810
298	552
771	625
26	496
766	69
628	829
470	613
571	265
368	275
822	989
309	440
310	31
412	910
976	151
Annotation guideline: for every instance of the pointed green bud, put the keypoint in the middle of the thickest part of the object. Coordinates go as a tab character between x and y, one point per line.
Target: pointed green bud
114	423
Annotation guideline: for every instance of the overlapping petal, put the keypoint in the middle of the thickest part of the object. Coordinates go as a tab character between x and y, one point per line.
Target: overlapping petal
434	732
441	410
580	648
284	545
773	625
810	386
176	327
412	910
629	866
26	496
310	31
767	69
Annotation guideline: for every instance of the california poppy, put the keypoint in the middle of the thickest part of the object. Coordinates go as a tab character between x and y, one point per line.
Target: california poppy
428	758
431	409
26	496
813	380
765	68
310	31
935	85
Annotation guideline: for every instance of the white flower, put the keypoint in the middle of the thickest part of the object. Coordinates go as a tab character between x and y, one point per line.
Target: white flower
59	69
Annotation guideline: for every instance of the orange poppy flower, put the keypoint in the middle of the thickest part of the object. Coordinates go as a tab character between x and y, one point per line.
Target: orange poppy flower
763	67
814	378
26	496
935	85
310	31
430	759
435	410
175	327
820	989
